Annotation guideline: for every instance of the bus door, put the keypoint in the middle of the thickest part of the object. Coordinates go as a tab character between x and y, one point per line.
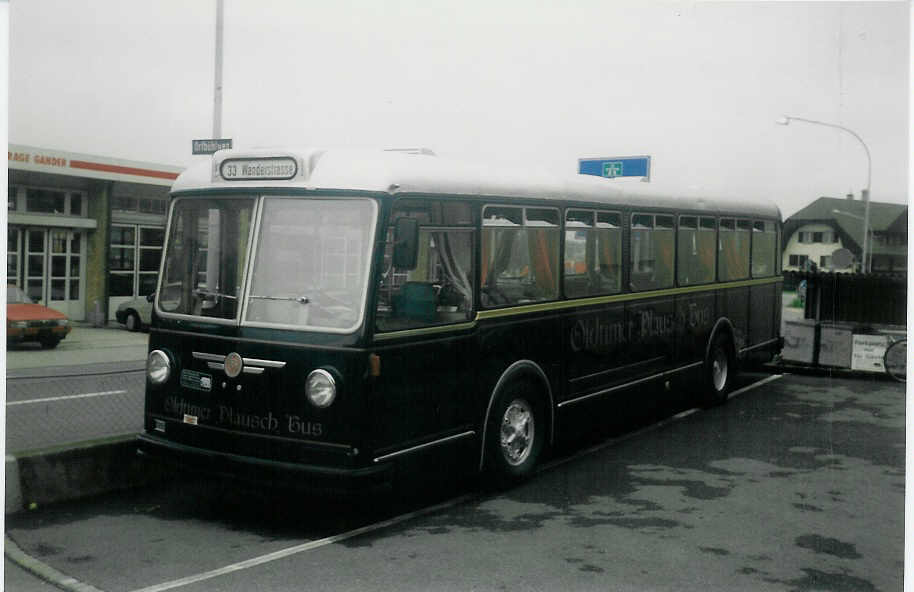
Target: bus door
424	330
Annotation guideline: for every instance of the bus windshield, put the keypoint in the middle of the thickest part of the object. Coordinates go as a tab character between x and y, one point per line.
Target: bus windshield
310	269
311	263
205	256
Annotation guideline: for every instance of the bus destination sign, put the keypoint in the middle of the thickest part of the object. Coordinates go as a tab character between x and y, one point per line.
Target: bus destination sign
271	168
210	146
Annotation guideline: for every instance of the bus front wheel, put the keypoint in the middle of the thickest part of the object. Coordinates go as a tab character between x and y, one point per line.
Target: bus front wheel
515	435
720	371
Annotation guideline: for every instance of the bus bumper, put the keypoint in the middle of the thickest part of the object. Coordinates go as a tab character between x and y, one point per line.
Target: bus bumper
312	478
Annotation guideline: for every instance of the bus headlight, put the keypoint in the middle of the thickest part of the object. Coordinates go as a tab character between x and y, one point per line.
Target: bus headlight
158	367
320	388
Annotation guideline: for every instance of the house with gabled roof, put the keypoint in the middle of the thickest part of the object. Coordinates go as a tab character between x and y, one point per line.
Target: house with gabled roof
811	236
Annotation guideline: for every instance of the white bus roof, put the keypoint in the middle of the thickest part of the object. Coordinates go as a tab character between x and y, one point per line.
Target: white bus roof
403	172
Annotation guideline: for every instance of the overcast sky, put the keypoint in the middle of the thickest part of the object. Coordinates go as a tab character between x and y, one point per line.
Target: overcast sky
523	85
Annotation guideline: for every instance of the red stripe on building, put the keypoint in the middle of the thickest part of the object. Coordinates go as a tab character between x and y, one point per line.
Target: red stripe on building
123	170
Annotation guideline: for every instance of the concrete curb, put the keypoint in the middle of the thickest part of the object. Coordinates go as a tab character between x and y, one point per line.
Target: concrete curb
89	468
44	571
827	371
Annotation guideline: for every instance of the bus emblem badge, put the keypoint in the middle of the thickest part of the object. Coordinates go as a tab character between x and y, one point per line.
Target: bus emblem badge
233	365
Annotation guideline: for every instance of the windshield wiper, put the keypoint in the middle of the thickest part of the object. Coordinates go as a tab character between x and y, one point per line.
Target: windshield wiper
299	299
205	294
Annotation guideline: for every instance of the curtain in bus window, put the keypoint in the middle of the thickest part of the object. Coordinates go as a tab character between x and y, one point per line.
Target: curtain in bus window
763	253
734	259
544	250
456	250
609	242
642	259
488	236
663	241
688	255
707	241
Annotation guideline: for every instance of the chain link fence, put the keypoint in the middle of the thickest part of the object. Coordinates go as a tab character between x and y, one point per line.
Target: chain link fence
64	410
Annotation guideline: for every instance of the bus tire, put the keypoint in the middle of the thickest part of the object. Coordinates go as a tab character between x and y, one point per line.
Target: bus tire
720	371
515	435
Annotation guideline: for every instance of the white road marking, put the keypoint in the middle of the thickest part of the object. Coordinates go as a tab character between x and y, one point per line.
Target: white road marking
66	397
749	387
282	553
207	575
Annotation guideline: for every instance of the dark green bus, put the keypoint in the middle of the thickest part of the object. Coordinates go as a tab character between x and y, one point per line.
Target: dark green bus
324	316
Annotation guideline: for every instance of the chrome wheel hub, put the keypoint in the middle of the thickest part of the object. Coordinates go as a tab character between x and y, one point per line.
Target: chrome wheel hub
517	431
719	370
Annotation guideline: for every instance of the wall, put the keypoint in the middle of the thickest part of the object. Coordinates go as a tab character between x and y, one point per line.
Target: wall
812	250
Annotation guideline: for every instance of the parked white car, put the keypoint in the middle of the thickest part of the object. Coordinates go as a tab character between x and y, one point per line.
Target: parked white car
134	314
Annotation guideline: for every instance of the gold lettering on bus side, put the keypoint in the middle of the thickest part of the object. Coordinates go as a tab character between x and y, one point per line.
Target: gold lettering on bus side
593	335
178	407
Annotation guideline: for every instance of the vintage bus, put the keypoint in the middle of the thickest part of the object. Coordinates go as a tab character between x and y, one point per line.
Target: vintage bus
325	316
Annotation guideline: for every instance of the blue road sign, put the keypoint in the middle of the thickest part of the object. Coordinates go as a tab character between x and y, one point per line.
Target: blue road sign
621	166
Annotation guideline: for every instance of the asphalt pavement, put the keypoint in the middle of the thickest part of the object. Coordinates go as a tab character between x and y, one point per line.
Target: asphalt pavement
795	484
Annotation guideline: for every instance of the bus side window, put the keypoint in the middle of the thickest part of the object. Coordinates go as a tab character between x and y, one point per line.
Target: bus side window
735	236
593	253
439	289
652	250
696	250
764	246
520	255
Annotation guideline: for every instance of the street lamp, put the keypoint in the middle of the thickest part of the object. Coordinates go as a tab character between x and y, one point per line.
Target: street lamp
786	119
866	237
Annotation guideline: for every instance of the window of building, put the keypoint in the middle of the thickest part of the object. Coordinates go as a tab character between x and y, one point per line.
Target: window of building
134	253
593	253
49	201
520	255
696	250
12	198
817	237
12	255
142	205
825	261
733	262
439	290
798	260
764	248
45	201
652	251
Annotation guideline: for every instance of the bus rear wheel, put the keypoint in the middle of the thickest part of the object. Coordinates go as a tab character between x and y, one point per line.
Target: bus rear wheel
720	372
515	435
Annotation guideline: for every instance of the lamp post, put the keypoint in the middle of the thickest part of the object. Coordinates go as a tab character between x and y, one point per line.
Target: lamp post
785	120
217	85
866	238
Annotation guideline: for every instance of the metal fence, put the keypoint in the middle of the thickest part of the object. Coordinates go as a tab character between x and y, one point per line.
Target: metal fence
43	412
856	298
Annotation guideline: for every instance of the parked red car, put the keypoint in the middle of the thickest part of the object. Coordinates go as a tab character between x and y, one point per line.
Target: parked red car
27	321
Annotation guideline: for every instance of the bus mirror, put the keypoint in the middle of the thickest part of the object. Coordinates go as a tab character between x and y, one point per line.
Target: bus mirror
406	243
151	297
